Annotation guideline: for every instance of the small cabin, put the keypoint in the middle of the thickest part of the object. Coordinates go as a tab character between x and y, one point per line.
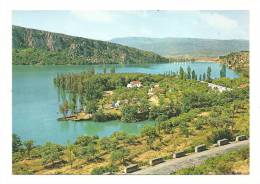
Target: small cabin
115	104
134	84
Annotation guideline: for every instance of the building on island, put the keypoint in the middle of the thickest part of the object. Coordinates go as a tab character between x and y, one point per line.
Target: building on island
115	104
134	84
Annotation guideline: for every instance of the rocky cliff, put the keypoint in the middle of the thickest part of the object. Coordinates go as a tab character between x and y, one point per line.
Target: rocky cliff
238	61
32	46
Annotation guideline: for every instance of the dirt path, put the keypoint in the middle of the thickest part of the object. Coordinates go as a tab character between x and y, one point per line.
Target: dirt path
169	166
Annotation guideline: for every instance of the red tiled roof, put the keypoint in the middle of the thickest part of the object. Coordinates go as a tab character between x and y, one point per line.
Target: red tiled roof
135	82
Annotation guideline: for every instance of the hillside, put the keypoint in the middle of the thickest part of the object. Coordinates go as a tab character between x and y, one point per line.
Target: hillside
236	60
32	46
185	46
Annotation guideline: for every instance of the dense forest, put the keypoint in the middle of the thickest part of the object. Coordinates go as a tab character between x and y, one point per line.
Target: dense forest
32	46
187	111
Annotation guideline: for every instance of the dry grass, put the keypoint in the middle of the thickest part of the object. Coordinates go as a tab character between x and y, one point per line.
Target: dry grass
141	152
241	167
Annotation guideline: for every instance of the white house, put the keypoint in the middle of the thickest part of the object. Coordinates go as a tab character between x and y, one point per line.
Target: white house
217	87
134	84
115	105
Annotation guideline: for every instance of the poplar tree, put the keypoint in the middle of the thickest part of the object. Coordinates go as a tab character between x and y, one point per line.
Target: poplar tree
209	74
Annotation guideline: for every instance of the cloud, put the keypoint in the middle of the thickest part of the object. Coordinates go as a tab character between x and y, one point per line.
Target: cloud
94	16
109	16
219	21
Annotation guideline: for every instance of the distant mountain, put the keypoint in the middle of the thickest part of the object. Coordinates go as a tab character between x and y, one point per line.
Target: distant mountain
32	46
185	46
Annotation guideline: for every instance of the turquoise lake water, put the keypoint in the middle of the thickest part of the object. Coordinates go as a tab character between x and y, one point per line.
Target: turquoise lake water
35	101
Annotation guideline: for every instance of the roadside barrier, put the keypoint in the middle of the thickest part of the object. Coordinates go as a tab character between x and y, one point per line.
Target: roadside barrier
131	168
179	154
199	148
156	161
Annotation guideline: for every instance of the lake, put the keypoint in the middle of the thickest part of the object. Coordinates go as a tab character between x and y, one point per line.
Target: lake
35	101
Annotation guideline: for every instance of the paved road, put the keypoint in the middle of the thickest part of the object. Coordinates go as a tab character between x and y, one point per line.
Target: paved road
169	166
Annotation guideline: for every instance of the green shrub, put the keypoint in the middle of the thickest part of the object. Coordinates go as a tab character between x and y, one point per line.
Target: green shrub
217	165
100	116
220	134
105	169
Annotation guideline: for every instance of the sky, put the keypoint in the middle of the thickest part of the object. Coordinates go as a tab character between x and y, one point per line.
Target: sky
106	25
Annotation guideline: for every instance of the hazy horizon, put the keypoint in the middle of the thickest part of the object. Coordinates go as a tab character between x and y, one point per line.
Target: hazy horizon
218	25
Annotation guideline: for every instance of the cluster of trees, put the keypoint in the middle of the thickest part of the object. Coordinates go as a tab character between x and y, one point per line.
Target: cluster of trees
191	74
86	148
84	92
219	123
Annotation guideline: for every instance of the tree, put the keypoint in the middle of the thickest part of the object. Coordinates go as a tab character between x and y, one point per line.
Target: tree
193	75
28	147
223	71
189	72
199	123
209	74
108	144
154	112
150	133
216	121
181	73
119	155
228	119
72	104
129	113
100	116
85	140
16	143
104	69
113	69
64	107
119	136
161	117
200	77
90	151
91	106
51	153
91	71
184	129
69	154
219	134
131	139
195	99
166	126
204	76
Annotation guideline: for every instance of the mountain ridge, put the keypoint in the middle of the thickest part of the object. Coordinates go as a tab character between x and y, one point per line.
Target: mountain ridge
175	46
32	46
